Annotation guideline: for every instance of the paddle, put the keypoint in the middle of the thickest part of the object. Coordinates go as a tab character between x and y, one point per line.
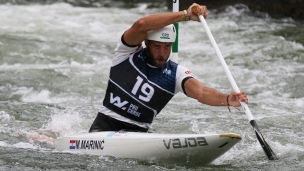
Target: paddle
270	154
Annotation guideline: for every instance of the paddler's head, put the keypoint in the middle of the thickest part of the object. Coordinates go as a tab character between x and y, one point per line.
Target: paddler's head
159	45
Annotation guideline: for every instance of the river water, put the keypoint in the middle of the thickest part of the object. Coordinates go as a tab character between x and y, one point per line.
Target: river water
54	66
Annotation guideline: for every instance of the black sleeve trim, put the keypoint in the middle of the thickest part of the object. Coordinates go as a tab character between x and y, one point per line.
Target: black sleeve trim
183	84
125	43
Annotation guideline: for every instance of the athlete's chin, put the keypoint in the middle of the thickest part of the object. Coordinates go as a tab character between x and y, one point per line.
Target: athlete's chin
160	64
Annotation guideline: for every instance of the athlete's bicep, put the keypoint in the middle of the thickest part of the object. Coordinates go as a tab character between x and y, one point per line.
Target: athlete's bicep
193	88
135	35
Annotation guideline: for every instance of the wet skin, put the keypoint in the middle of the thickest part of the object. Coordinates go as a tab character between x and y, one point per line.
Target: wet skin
158	52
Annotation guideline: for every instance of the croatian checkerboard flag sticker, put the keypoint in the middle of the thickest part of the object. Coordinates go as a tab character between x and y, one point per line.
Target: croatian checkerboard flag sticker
72	146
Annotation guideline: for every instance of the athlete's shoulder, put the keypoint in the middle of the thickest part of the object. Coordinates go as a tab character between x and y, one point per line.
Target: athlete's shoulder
123	52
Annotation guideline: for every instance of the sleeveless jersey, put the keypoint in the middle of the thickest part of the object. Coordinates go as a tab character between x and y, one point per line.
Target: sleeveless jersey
138	91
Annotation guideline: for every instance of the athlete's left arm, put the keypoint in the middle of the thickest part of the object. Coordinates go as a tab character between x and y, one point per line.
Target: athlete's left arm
210	96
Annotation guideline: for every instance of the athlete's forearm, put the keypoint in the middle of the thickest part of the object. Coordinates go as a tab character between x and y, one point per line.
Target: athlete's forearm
156	21
203	94
138	32
212	97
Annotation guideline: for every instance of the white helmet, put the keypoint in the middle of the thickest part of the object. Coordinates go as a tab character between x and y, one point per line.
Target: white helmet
165	34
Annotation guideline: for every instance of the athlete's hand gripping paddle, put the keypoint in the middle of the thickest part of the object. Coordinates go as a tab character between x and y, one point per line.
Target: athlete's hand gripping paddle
270	154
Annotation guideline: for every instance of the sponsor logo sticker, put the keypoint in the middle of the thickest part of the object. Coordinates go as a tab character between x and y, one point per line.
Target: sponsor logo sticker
133	110
165	36
188	72
117	101
118	133
167	71
185	142
111	134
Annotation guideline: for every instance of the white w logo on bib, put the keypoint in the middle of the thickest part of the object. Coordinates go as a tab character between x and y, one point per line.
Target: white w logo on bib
117	102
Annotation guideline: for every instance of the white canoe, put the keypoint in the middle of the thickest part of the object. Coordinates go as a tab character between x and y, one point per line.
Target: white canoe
168	148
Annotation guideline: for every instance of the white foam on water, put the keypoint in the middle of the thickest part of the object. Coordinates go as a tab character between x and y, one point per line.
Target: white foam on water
236	154
5	117
30	95
299	102
3	144
67	123
62	65
5	120
252	52
24	145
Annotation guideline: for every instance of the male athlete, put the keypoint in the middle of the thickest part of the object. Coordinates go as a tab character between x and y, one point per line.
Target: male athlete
143	80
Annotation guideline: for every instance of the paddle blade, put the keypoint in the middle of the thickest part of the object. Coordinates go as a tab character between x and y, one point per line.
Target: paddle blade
268	151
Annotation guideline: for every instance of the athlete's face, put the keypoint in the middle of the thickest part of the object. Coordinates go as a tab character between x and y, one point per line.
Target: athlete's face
159	52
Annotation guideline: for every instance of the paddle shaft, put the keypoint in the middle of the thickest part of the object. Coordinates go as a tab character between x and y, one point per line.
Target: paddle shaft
268	151
227	71
174	55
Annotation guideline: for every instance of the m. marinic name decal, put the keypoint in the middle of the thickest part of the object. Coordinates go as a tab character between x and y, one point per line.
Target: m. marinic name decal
87	144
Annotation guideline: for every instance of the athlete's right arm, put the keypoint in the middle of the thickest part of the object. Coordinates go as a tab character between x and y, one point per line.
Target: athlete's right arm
138	31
